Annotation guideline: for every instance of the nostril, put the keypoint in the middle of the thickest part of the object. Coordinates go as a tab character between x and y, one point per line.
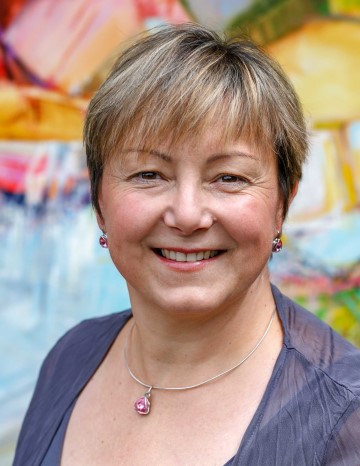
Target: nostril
188	219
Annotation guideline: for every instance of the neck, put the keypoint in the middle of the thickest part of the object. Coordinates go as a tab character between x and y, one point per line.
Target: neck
223	373
169	352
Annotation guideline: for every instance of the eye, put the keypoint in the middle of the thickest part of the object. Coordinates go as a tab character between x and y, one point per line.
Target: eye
229	179
148	176
231	183
147	179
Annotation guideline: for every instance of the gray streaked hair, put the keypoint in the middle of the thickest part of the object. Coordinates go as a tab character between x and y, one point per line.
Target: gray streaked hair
179	80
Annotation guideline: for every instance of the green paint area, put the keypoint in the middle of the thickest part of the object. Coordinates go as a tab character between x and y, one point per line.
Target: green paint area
340	310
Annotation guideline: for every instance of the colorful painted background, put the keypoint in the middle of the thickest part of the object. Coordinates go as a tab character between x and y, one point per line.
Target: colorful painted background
53	55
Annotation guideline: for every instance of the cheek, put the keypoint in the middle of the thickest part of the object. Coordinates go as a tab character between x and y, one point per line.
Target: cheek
128	218
251	219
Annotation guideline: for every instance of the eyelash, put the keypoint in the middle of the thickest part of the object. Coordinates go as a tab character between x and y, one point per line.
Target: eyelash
143	175
232	179
226	179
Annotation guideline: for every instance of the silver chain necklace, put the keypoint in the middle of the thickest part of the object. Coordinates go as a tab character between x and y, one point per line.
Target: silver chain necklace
142	404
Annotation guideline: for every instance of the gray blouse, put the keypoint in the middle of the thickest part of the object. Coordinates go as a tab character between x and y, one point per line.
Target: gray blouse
309	414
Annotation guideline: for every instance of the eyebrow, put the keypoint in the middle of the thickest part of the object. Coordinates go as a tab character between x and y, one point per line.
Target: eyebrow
157	153
213	158
226	155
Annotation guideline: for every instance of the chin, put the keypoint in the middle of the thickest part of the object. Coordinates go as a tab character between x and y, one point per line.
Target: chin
192	304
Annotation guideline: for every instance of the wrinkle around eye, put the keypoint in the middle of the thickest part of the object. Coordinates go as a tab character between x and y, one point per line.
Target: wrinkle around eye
147	179
147	175
231	183
229	179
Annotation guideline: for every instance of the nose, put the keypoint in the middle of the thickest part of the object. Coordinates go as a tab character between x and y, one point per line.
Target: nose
189	209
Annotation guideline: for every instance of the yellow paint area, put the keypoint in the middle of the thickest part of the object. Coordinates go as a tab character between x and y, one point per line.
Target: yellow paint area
30	113
345	7
323	61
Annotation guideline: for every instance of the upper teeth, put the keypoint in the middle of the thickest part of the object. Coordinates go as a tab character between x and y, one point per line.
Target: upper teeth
191	257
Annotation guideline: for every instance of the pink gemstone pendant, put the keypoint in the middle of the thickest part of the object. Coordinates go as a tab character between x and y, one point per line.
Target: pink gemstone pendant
277	245
103	241
142	405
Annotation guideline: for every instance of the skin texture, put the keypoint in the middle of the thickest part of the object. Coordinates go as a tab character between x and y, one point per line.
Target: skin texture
194	197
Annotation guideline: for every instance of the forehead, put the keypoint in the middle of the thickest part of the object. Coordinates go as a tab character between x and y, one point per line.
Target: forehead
209	145
210	140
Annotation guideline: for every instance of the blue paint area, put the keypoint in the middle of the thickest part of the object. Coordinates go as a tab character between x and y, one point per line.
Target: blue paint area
53	274
354	135
336	242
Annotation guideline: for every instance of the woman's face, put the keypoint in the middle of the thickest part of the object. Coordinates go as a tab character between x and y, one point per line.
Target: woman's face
190	227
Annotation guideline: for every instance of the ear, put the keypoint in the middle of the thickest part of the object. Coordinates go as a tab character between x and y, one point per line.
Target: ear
100	221
98	212
294	192
280	217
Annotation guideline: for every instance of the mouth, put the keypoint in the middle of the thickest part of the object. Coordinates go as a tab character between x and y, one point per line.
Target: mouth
195	256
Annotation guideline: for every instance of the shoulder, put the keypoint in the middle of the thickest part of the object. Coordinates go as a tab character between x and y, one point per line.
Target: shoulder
319	345
323	371
95	333
95	327
83	345
343	446
64	373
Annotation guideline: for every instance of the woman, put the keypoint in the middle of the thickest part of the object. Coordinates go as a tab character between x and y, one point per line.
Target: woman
195	146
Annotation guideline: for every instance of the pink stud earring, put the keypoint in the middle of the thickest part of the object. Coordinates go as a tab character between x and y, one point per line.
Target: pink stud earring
277	245
103	241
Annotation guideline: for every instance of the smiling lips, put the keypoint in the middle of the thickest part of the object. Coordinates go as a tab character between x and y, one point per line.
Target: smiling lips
188	257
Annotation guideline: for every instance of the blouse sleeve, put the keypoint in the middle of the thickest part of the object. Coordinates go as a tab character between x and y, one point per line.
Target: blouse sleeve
343	447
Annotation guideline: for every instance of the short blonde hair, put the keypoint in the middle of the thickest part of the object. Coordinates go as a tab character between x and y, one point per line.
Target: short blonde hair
179	80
